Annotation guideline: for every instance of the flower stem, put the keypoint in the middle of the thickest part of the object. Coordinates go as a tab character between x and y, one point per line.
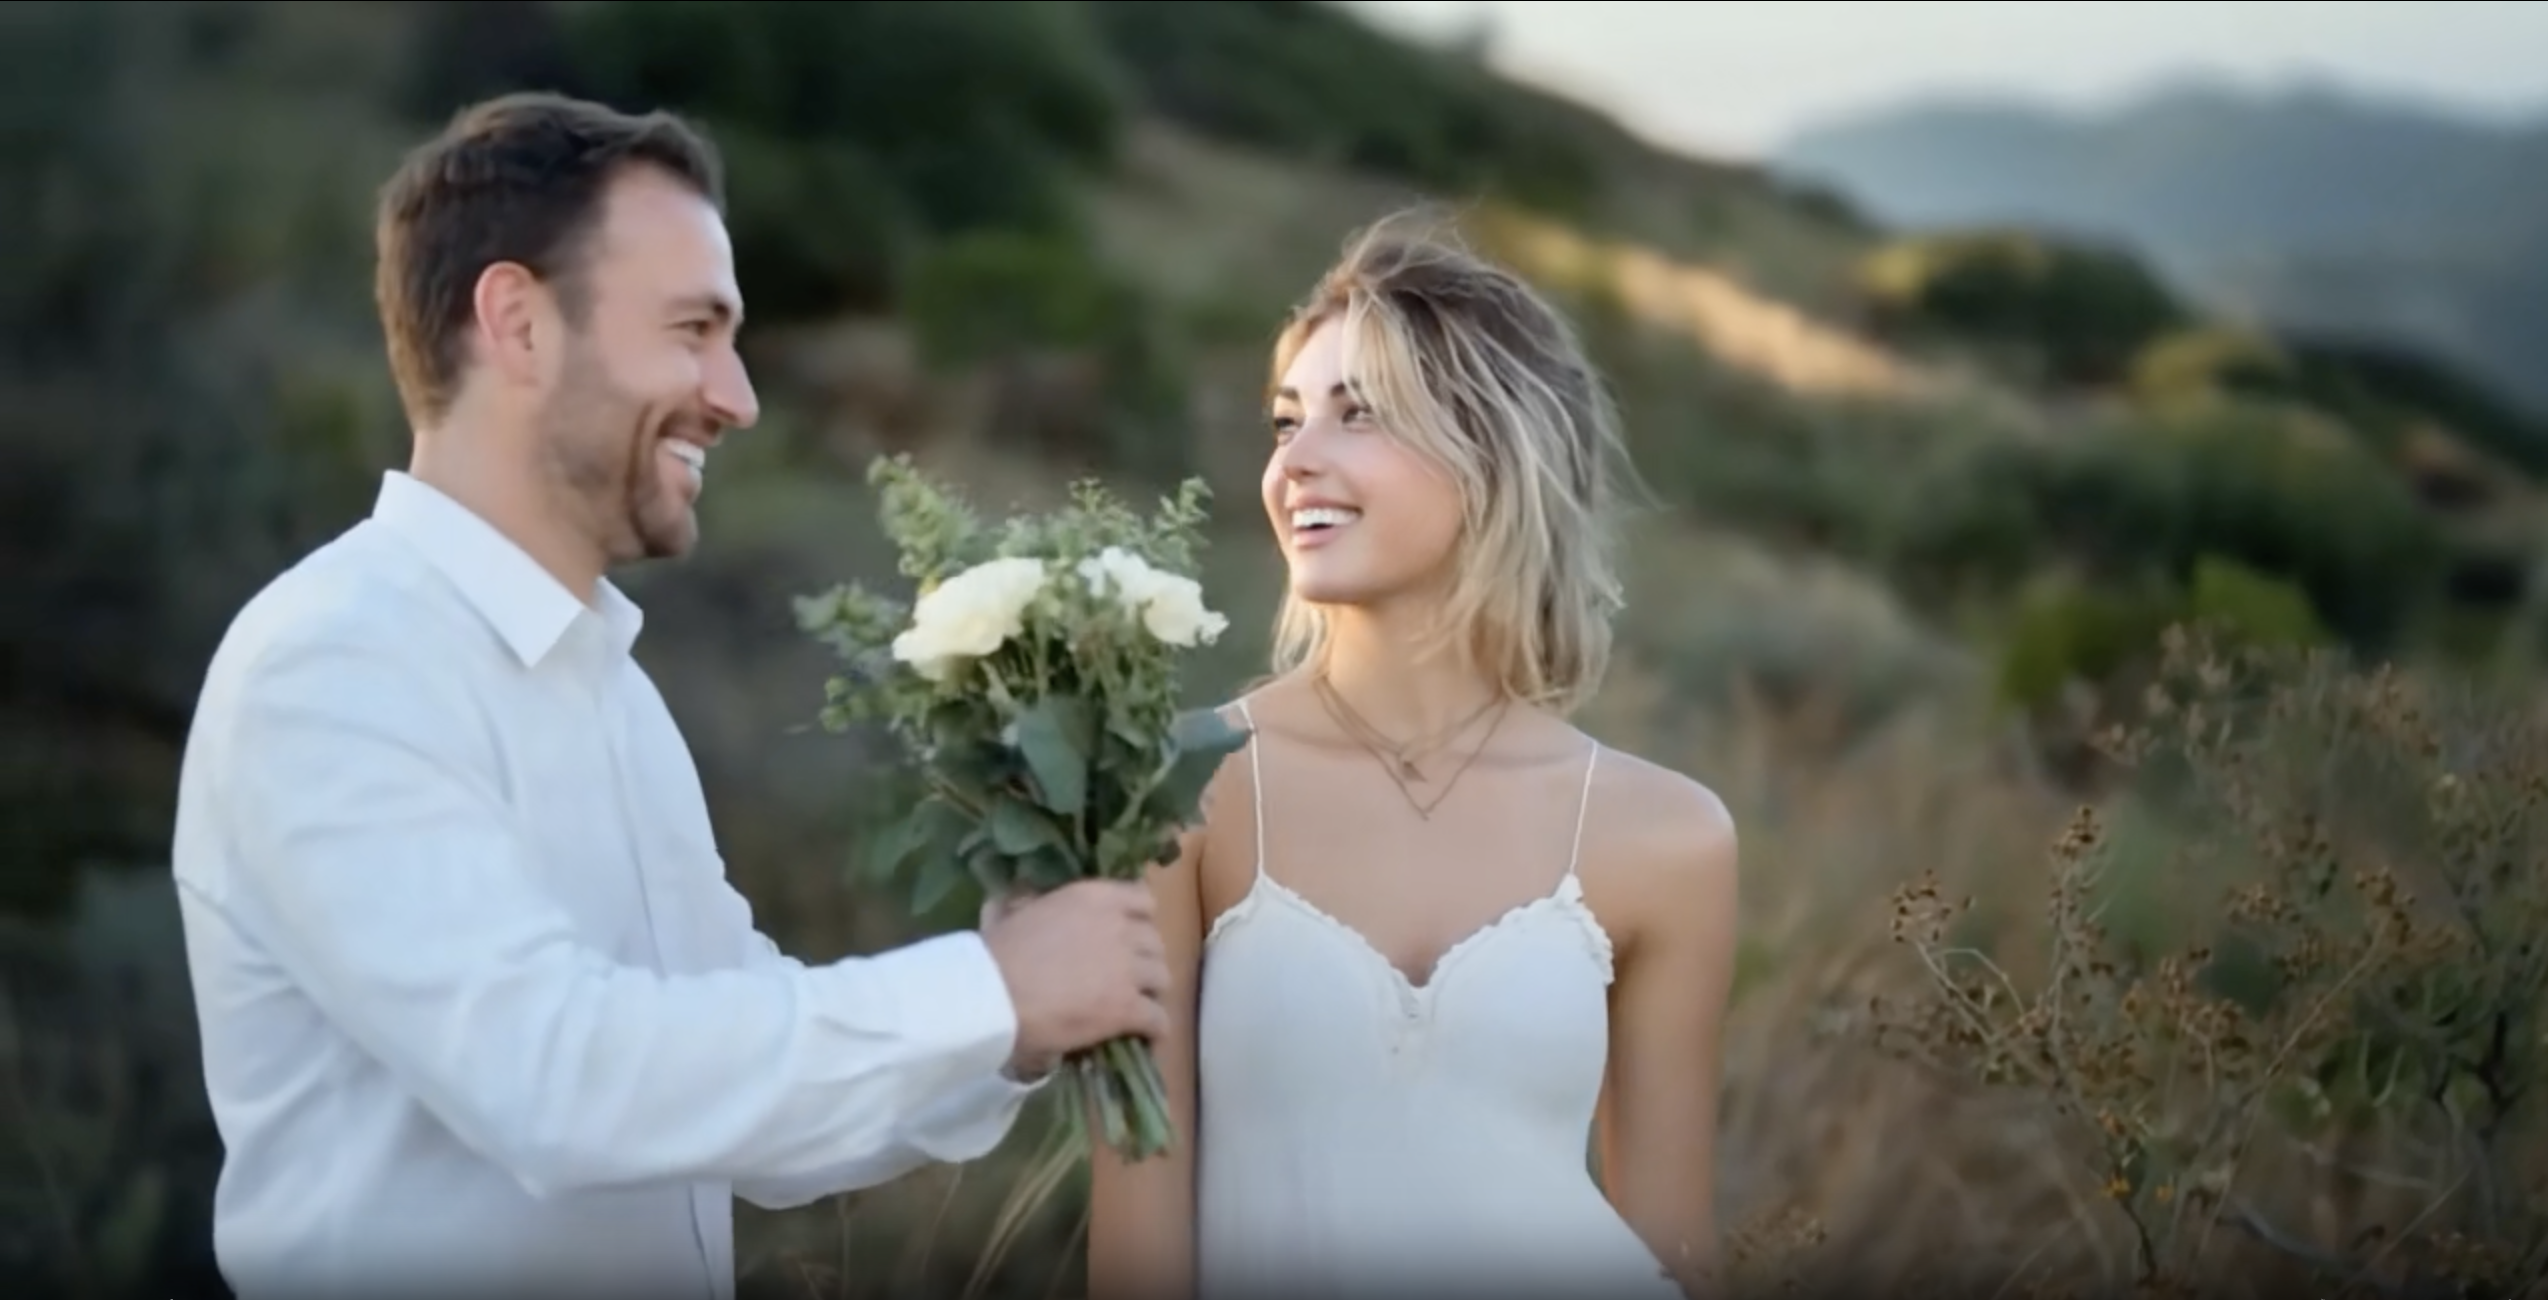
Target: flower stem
1148	1128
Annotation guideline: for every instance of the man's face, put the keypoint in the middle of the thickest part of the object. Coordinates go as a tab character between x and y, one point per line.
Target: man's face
649	380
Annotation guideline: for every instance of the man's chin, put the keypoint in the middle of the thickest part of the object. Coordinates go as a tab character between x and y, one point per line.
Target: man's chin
672	544
660	539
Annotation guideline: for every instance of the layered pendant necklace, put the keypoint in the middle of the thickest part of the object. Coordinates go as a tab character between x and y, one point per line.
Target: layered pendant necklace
1401	761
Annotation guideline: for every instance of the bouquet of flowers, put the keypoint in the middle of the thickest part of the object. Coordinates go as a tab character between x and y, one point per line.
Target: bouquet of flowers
1033	682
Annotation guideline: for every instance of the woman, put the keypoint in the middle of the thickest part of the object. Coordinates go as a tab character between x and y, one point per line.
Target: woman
1431	937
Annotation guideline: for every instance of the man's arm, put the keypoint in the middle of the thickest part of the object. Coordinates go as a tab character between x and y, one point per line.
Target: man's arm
381	868
964	1124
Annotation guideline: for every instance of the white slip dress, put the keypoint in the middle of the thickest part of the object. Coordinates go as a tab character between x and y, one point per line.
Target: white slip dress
1361	1136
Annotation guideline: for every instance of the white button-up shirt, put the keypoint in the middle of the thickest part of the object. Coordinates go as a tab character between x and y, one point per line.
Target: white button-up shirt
480	1010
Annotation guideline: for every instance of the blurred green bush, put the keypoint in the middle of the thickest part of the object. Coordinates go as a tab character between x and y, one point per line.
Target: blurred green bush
2073	313
855	130
2150	498
1311	80
1037	312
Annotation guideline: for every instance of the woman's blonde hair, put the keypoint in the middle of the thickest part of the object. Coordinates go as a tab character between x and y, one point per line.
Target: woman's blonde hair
1478	373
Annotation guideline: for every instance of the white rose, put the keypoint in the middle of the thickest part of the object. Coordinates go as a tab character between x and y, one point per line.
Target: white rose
1169	606
969	615
1175	613
1115	569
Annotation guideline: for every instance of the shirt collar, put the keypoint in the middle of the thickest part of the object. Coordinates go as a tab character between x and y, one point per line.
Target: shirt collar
525	604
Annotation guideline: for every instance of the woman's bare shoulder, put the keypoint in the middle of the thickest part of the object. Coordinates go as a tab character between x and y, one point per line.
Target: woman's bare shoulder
1665	838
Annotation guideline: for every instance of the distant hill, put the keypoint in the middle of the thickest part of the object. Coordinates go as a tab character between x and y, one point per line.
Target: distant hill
2314	209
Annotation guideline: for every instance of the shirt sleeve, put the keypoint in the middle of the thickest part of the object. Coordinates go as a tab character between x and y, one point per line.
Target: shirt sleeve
377	862
963	1123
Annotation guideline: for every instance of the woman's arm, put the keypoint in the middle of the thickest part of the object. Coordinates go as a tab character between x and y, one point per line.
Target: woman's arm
1658	1123
1141	1215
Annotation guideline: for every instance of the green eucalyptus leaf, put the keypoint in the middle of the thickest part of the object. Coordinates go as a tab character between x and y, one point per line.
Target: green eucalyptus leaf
1125	723
1048	868
993	870
932	884
948	826
1055	735
1180	792
978	768
1207	731
897	842
1018	828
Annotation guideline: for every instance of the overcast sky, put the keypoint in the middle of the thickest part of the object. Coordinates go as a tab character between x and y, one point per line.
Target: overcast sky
1734	77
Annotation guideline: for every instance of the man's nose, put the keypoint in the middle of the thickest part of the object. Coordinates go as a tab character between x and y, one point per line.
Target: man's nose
729	393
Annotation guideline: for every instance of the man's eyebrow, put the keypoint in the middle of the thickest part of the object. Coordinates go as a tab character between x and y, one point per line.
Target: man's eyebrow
725	309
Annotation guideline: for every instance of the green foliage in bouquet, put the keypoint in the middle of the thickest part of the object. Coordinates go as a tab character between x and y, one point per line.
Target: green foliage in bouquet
1033	681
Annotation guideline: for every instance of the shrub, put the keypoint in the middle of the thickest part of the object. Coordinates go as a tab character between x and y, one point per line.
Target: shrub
2361	1013
2383	387
818	226
2390	395
980	297
1313	80
2079	310
2211	361
2069	633
1017	303
856	123
465	50
2278	493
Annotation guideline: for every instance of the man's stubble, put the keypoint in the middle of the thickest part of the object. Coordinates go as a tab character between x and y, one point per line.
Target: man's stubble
600	448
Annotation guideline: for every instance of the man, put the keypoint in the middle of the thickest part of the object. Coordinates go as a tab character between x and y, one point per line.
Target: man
480	1011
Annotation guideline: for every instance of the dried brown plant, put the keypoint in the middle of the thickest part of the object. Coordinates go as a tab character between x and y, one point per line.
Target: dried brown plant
2324	1074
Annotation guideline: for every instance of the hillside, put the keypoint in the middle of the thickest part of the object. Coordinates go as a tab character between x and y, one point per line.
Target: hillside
1922	504
2314	209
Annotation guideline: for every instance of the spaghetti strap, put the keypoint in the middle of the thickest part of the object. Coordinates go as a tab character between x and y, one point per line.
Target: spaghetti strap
1583	806
1256	782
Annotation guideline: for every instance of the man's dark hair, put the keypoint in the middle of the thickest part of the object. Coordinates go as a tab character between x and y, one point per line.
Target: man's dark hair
519	178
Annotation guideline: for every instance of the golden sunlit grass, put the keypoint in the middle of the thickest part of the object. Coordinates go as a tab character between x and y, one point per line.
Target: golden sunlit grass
1740	326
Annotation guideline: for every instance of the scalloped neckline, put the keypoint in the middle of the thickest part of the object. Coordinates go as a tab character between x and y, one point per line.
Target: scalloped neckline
1567	894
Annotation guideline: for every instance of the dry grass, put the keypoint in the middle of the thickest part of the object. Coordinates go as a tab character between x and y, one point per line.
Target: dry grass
1846	1164
1889	1159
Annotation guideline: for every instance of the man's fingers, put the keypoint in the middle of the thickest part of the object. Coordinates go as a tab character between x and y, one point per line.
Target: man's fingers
996	909
1139	904
1150	975
1146	1017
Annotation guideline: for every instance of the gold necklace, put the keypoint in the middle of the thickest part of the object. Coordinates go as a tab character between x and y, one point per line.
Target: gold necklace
1423	808
1401	756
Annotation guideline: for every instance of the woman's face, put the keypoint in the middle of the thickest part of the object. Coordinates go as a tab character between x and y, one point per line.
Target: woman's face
1362	518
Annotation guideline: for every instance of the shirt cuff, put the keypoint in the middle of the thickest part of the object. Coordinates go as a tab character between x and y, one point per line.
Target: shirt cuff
1022	1086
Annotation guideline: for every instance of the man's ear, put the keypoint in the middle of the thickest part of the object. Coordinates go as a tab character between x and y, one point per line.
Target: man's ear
509	305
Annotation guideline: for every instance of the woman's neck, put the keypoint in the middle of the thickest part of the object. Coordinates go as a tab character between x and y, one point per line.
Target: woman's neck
1402	688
